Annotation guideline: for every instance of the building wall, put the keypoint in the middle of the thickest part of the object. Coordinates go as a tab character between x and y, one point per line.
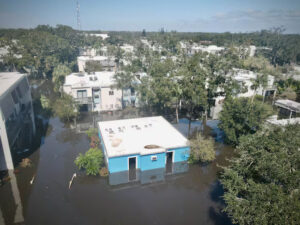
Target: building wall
15	116
148	164
180	154
111	102
144	162
119	164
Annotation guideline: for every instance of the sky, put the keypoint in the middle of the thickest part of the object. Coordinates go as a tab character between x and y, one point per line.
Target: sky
136	15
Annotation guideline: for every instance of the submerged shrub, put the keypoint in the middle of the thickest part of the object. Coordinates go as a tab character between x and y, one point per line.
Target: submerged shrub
202	150
92	132
90	161
95	141
103	172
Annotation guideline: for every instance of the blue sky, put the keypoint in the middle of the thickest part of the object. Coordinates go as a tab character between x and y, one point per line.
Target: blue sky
180	15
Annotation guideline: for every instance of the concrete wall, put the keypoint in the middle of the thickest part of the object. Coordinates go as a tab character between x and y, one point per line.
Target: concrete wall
111	102
148	164
180	154
144	162
119	164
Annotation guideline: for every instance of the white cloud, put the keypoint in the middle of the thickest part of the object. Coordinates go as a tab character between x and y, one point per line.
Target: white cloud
243	21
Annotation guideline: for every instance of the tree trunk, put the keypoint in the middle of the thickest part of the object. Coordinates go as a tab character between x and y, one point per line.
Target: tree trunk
177	118
190	121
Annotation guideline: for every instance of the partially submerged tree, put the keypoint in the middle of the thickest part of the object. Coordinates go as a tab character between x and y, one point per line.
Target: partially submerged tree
66	108
241	117
91	161
262	184
202	149
59	74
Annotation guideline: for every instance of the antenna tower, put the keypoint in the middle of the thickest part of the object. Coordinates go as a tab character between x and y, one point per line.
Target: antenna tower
78	15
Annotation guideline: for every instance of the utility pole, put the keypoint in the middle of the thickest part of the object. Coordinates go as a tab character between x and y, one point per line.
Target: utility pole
78	15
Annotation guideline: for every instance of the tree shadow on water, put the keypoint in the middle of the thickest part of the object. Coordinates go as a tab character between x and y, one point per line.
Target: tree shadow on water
215	213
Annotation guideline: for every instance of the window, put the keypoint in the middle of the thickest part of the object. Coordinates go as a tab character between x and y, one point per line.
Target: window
14	96
111	92
81	94
132	92
154	158
19	92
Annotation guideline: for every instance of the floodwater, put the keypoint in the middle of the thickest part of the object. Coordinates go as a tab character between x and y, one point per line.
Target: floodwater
40	194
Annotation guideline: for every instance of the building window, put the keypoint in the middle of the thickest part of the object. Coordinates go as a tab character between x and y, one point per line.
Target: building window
132	91
81	94
19	92
14	96
111	92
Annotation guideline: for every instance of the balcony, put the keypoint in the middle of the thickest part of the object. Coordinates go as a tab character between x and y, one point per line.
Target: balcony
85	100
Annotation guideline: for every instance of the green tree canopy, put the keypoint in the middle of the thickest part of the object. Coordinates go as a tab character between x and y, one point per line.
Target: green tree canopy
202	149
262	184
241	117
59	74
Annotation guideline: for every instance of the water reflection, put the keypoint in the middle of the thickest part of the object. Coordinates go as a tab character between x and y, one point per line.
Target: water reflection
146	177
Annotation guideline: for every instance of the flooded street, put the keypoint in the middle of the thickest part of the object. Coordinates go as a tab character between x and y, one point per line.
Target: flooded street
190	197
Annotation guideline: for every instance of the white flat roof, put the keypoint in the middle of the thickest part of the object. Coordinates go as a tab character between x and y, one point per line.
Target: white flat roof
288	104
284	122
94	58
99	79
7	79
130	136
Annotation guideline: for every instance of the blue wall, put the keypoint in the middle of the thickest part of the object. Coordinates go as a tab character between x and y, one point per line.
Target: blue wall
118	164
144	162
148	164
181	154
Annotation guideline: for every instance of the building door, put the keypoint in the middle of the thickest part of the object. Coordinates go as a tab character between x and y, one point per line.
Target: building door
132	168
169	162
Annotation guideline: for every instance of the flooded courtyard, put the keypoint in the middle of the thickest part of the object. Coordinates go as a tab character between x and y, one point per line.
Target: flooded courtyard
40	194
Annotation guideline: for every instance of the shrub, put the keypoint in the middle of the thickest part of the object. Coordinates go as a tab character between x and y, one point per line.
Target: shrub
95	141
92	132
91	161
202	150
103	172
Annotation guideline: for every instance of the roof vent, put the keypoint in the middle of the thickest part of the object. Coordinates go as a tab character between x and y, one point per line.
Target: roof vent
151	146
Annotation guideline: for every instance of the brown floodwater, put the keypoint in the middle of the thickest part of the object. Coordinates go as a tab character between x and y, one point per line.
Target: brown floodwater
40	194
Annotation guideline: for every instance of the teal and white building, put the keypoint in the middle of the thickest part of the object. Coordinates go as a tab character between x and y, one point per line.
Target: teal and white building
141	144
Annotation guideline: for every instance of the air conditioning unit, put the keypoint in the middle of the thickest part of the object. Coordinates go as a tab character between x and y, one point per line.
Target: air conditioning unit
154	158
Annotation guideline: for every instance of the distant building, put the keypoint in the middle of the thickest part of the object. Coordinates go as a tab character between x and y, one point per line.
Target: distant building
141	144
103	36
88	52
17	125
107	63
94	92
245	79
127	48
288	108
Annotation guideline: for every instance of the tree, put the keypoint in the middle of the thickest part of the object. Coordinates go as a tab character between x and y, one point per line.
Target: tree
59	74
45	102
93	66
144	33
262	183
66	108
194	94
241	117
202	150
91	161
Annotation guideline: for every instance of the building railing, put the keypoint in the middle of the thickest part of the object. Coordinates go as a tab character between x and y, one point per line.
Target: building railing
85	100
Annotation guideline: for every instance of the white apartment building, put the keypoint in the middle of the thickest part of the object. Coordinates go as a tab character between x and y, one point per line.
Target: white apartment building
107	63
94	91
245	78
17	125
